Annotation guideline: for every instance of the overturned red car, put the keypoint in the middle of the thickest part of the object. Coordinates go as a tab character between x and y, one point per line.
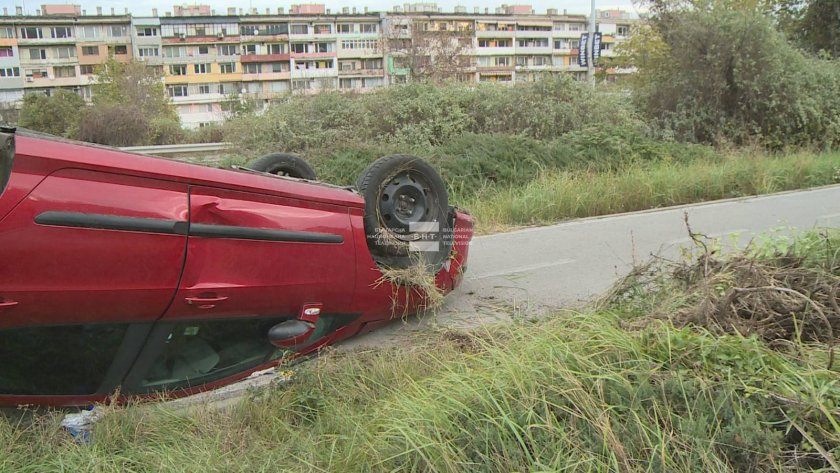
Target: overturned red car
133	274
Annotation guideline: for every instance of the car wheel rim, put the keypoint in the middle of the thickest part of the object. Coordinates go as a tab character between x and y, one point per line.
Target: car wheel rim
403	201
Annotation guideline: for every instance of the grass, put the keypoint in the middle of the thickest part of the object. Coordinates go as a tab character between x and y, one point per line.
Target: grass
555	196
577	392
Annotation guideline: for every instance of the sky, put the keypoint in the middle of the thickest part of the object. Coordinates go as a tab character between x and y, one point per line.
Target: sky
144	7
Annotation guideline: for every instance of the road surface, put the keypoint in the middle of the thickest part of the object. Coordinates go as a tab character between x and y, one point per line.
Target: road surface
537	270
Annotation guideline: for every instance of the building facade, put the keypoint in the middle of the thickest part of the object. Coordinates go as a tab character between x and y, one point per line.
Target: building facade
209	61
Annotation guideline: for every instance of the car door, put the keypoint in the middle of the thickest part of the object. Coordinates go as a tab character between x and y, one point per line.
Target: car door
89	261
253	260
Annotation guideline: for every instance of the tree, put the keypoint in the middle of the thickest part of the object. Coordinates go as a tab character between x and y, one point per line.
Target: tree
427	52
725	75
57	114
130	107
820	27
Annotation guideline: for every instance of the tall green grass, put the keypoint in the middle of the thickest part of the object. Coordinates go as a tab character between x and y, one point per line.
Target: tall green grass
555	196
577	393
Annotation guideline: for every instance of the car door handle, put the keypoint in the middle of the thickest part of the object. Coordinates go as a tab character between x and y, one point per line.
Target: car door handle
204	302
7	304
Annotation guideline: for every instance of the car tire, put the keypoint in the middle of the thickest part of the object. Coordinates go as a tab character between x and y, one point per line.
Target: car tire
283	164
407	216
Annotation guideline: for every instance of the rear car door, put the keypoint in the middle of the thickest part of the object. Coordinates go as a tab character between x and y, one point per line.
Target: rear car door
90	260
253	260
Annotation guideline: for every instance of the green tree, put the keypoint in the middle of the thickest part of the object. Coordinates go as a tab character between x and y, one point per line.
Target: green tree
130	107
820	27
725	75
57	114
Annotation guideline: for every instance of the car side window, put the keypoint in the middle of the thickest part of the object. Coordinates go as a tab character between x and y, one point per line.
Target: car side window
58	360
199	352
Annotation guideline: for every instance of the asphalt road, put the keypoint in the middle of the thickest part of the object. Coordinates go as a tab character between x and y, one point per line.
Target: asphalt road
537	270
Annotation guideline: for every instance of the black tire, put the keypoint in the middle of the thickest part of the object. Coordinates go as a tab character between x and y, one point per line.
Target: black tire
403	193
283	164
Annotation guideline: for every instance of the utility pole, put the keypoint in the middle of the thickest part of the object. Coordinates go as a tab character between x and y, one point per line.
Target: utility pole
590	67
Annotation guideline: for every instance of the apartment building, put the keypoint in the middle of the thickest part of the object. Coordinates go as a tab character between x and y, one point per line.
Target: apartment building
208	61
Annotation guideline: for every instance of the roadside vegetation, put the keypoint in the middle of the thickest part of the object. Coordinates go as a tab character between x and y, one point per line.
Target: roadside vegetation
729	100
708	363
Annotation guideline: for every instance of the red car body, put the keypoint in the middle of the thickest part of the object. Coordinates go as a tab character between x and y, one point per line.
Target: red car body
123	272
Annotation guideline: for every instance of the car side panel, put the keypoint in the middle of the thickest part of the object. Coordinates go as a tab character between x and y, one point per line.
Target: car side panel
264	255
62	265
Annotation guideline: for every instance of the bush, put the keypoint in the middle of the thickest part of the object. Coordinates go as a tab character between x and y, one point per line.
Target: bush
729	77
57	114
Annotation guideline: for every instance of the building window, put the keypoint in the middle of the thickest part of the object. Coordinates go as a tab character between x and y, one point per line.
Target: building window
61	32
323	29
203	88
148	52
90	50
31	33
251	68
276	29
301	84
249	49
116	31
10	72
175	51
35	54
276	49
6	51
299	47
227	50
65	52
369	27
372	64
227	67
201	68
89	32
7	32
147	31
178	70
344	28
177	90
249	30
86	69
121	50
300	29
203	50
279	66
622	30
65	71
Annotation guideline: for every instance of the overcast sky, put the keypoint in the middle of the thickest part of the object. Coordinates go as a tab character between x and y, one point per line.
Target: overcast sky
144	7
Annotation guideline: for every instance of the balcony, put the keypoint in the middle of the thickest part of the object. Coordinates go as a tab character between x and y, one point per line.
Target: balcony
328	55
314	73
533	50
366	52
361	73
246	58
495	51
534	34
261	76
494	69
45	41
200	39
56	81
313	37
495	34
568	34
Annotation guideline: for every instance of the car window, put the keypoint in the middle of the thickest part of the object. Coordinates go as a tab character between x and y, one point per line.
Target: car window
7	156
198	352
57	360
